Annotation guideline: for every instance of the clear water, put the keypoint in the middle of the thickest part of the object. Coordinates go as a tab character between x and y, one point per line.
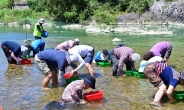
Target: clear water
20	86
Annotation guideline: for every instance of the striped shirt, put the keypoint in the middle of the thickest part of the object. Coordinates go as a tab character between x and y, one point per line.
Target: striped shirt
123	53
159	67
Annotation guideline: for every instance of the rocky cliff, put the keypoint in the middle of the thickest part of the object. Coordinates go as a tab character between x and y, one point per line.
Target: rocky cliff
159	13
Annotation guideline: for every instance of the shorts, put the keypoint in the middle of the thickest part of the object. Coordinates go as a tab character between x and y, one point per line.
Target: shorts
89	56
43	66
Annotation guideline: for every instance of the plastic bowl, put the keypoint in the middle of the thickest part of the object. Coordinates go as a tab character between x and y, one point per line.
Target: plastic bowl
26	61
130	72
139	74
27	56
93	95
68	81
179	95
104	64
67	75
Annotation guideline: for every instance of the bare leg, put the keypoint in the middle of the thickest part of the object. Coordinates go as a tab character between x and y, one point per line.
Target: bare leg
170	93
46	80
54	78
90	69
160	92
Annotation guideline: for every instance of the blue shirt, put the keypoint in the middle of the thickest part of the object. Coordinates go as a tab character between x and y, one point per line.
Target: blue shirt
98	57
37	44
13	46
53	58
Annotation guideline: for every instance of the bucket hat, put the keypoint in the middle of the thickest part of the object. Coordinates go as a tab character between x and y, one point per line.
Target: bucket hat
142	65
90	81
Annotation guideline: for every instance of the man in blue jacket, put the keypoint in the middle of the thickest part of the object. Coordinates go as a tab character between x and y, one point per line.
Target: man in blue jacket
36	46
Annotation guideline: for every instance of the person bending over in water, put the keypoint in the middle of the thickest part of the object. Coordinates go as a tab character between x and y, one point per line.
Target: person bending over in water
165	78
73	93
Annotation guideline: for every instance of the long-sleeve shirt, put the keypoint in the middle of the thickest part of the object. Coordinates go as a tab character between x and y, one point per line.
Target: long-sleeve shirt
66	45
160	48
80	51
123	53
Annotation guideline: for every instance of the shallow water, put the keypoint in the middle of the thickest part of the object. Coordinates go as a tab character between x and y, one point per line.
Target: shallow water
20	85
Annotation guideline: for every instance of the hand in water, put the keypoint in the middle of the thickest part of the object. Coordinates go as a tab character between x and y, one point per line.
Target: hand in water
18	62
83	102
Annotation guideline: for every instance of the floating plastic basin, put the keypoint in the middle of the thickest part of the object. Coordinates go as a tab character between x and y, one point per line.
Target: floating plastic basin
68	81
67	75
27	56
179	95
130	72
139	74
104	64
93	95
26	61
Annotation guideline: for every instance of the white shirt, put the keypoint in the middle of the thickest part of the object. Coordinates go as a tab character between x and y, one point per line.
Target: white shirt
155	58
79	52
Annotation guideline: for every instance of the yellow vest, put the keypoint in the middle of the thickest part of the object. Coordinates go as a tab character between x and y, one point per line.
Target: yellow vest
36	32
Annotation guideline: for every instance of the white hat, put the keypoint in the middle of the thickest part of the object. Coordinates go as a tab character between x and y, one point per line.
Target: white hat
135	57
41	20
73	58
104	57
142	65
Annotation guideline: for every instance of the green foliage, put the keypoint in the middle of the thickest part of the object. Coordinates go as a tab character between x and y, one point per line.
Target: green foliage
104	14
75	11
6	4
139	6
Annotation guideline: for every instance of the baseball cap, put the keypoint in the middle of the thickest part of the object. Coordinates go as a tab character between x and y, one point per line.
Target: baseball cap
135	57
90	81
142	65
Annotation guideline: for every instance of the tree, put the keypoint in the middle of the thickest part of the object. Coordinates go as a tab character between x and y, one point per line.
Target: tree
66	10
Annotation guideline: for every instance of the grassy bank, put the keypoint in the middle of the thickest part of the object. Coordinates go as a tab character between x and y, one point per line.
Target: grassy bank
8	15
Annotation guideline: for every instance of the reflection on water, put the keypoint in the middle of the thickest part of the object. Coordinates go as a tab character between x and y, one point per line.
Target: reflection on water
20	85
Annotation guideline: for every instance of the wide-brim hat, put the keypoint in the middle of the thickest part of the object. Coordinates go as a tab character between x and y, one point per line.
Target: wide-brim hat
90	81
104	57
142	65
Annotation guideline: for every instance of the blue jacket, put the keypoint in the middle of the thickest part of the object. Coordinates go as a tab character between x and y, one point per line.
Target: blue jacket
97	57
37	45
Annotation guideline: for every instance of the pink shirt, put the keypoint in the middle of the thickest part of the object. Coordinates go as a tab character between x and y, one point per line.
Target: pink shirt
66	45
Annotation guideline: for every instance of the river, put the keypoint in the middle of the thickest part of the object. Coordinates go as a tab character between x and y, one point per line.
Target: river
20	85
